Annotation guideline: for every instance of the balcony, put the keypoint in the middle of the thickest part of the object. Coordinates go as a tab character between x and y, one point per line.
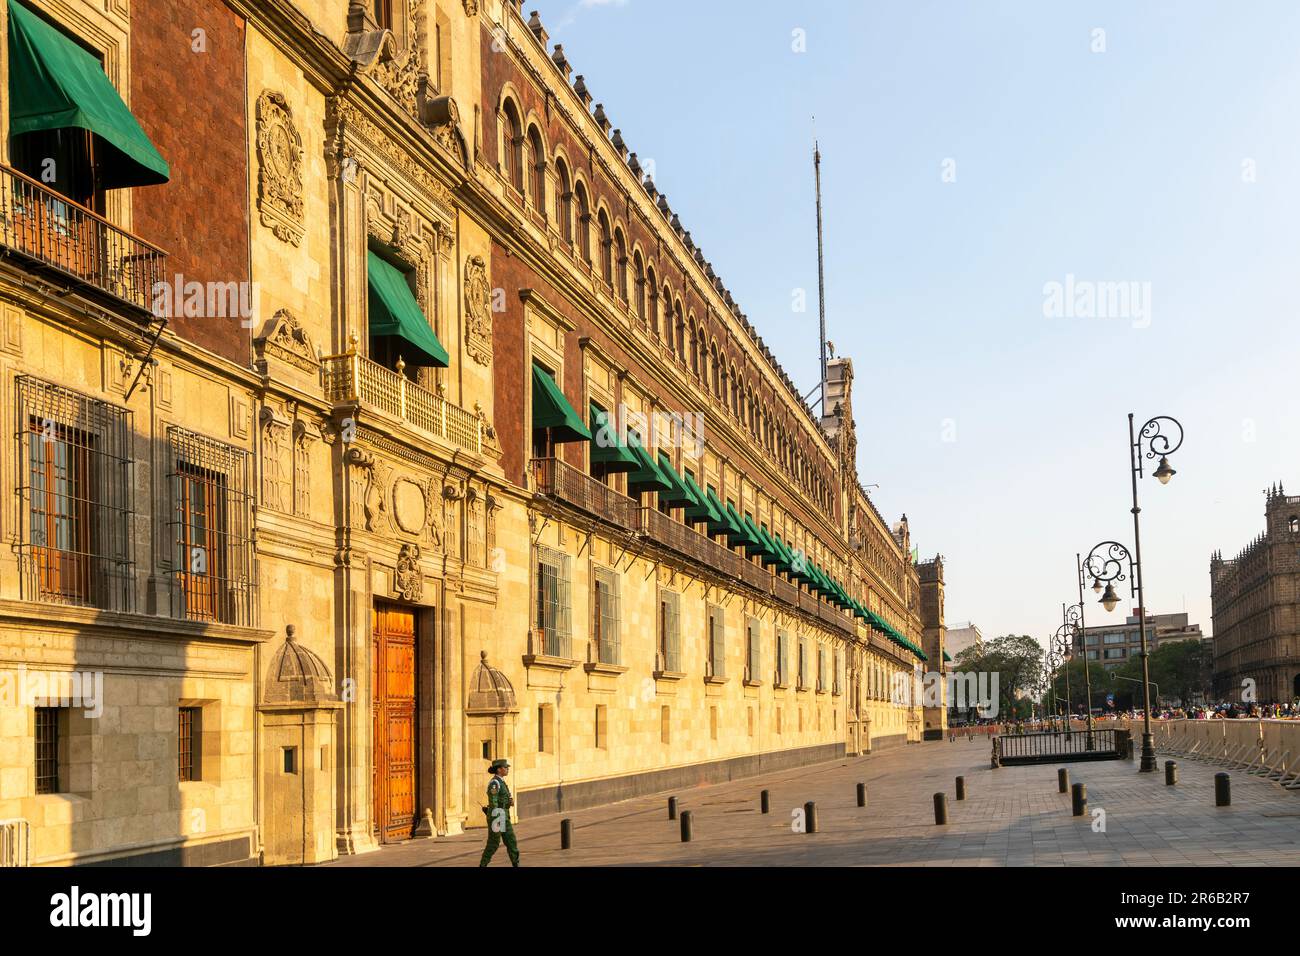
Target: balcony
352	378
72	242
560	480
689	542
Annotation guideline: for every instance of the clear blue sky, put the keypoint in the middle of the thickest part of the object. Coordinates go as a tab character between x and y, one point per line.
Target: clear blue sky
1125	165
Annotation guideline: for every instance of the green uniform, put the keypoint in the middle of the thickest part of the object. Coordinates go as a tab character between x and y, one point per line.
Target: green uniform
499	799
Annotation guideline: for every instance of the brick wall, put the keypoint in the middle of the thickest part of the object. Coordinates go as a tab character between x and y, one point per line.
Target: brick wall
192	106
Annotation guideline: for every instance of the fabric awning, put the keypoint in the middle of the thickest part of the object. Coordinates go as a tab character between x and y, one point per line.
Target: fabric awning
718	525
55	83
737	533
757	543
648	477
701	511
947	657
395	313
552	410
771	553
607	449
681	494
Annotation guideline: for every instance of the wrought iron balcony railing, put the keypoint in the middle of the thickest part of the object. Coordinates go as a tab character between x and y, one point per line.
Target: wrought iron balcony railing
353	378
558	479
58	234
689	542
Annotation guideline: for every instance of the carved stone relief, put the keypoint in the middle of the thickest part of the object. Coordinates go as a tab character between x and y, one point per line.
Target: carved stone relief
285	339
279	168
478	311
408	582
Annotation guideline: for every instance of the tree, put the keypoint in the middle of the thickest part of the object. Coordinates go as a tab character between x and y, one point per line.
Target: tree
1102	681
1016	659
1177	669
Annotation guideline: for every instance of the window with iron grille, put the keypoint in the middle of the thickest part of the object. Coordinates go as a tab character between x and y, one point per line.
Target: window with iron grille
670	634
211	525
803	664
782	652
187	740
606	617
835	675
751	650
76	489
821	670
553	608
47	750
717	644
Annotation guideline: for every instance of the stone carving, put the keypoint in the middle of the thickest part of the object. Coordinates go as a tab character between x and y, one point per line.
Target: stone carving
408	582
275	482
286	339
279	168
471	8
491	444
348	124
302	438
372	496
380	55
478	311
410	509
433	512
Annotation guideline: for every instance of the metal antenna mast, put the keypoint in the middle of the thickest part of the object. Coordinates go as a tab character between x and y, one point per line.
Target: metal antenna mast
821	274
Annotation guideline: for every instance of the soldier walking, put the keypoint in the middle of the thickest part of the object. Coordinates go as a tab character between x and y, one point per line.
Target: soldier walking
498	815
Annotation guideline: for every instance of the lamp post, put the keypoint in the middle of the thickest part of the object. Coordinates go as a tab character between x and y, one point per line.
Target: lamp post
1161	436
1062	642
1053	662
1074	615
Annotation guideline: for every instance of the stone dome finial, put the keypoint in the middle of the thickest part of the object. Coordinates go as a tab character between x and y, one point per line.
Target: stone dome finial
296	675
490	690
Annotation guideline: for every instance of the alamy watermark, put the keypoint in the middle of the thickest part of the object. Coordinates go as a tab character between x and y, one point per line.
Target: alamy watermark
683	430
960	689
24	688
1088	299
207	300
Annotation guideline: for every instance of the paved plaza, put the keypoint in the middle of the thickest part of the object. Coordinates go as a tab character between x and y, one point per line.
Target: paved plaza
1010	817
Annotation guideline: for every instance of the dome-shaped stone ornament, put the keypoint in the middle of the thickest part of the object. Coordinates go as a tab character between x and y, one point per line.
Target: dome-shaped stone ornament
297	676
490	690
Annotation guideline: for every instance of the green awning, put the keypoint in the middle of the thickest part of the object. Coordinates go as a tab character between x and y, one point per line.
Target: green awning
607	449
738	534
395	313
771	553
702	511
681	494
720	525
947	657
55	83
552	410
648	476
757	543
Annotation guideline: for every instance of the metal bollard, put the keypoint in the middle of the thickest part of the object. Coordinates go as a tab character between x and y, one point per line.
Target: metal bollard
672	808
961	788
686	826
1079	799
764	804
862	794
1171	773
1062	781
940	809
810	817
566	834
1222	790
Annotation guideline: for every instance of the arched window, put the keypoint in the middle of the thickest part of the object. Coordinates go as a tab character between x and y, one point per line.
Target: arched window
512	144
537	169
694	352
653	305
638	278
680	325
1294	524
620	264
582	210
606	251
564	200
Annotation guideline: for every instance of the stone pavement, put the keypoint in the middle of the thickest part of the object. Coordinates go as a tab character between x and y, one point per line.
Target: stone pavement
1011	817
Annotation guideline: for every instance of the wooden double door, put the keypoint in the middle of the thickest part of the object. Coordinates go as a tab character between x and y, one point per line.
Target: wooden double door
394	709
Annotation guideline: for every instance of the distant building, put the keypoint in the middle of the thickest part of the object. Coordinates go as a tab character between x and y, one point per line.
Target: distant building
1114	644
962	636
1256	605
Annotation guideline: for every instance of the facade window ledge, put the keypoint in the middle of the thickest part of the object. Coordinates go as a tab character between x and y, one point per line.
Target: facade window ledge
547	663
601	667
802	688
753	683
714	679
780	685
821	690
668	675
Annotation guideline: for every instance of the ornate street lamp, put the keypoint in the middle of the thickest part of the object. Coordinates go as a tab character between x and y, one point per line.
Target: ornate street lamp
1062	642
1074	615
1162	435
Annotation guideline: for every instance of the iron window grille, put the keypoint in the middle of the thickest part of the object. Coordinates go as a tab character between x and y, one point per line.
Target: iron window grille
188	735
751	651
76	492
214	573
47	750
782	650
717	665
607	622
670	634
553	630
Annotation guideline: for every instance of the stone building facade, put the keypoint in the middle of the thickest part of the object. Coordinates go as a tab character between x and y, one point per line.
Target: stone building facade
1256	606
376	417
